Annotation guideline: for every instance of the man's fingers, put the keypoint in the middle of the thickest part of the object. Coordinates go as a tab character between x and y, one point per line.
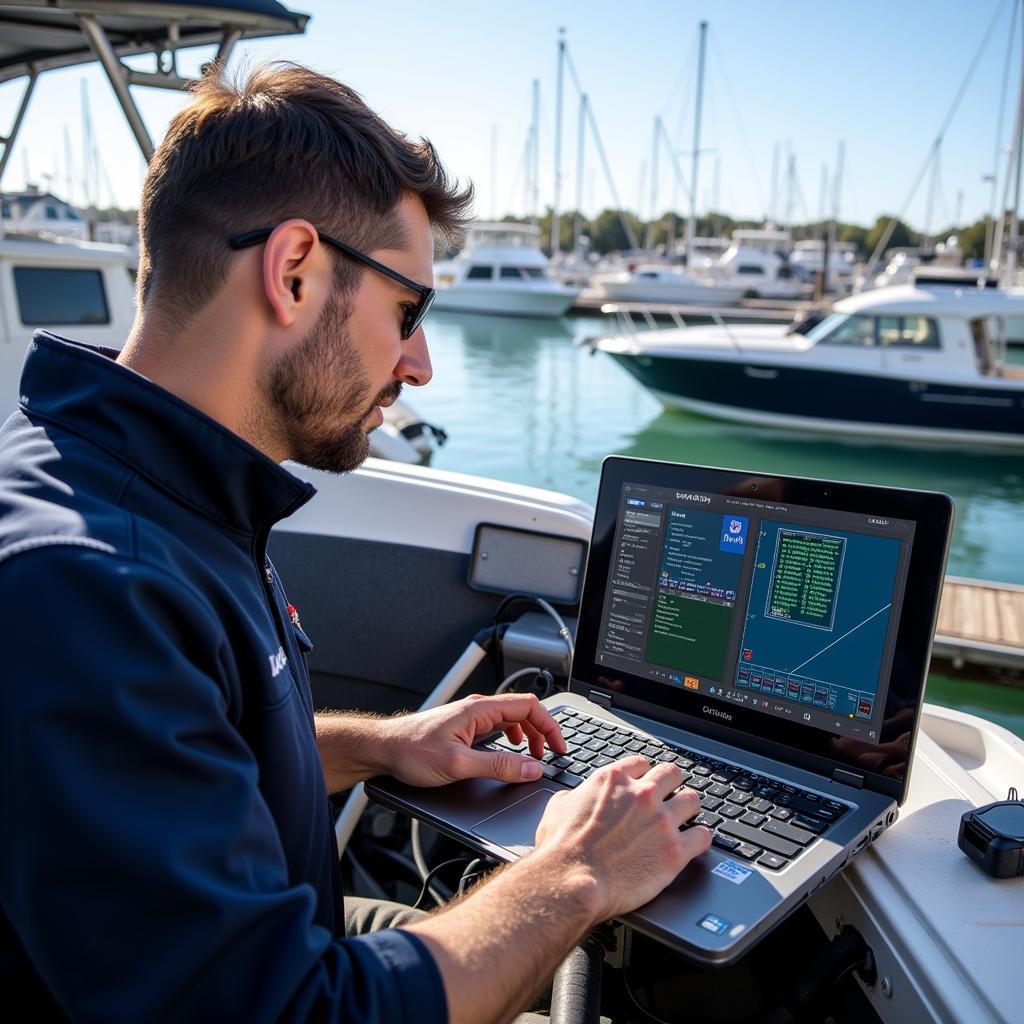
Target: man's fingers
684	805
503	765
514	731
695	841
667	778
636	766
521	709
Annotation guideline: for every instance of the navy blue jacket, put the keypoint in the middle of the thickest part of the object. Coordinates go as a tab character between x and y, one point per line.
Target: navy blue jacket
167	847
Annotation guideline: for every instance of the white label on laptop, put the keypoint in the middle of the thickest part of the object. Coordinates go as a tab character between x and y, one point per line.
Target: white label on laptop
731	871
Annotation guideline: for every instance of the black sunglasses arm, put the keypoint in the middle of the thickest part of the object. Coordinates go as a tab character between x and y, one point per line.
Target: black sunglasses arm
249	238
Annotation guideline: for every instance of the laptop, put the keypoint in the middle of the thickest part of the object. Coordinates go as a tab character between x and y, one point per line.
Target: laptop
771	636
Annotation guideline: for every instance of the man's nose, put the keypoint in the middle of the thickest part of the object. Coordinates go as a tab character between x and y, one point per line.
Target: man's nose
414	365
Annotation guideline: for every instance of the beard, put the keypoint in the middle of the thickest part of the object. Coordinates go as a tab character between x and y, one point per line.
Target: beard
317	392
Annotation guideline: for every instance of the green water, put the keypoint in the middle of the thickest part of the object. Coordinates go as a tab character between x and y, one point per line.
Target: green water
522	402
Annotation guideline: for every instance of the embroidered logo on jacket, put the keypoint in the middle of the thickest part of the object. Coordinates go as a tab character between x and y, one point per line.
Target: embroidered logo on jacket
277	662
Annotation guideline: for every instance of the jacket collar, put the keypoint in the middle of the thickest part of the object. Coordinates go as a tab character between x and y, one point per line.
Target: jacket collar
178	448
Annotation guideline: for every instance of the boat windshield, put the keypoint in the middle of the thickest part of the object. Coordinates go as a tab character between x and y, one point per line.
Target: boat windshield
867	331
821	331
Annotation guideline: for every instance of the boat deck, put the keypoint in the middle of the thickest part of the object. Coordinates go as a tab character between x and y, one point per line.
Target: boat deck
981	622
765	311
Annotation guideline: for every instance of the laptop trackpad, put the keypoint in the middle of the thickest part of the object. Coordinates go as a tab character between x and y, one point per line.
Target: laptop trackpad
515	827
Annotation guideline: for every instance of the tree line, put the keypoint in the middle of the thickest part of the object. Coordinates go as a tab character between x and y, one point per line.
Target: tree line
607	233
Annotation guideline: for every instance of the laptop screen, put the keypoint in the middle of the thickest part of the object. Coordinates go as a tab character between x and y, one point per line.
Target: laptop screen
768	604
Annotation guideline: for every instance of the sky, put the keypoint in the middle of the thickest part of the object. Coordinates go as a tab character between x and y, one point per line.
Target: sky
785	84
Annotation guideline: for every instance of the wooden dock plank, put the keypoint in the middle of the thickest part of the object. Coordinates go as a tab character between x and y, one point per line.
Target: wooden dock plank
989	609
969	617
947	609
1011	617
979	620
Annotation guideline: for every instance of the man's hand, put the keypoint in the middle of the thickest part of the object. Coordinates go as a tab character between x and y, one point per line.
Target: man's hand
433	747
603	849
622	828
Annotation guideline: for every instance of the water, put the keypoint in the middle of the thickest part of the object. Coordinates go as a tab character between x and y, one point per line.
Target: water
522	402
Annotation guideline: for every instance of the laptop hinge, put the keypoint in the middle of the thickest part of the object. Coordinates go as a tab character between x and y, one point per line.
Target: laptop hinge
848	778
601	699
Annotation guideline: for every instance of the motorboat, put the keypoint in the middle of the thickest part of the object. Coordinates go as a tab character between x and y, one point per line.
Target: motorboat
85	290
757	259
918	363
667	283
501	270
808	258
937	928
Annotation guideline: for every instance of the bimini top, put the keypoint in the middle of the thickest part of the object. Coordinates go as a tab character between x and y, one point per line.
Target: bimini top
40	35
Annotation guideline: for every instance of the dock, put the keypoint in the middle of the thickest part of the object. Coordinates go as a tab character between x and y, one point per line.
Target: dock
981	623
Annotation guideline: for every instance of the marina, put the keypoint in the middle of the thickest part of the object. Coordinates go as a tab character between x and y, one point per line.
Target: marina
523	401
460	558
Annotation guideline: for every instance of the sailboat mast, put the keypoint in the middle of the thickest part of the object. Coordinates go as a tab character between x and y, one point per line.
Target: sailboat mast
535	153
581	141
655	140
1019	144
555	232
932	185
691	223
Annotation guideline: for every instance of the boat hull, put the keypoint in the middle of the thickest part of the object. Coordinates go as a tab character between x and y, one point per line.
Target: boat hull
505	301
834	402
680	293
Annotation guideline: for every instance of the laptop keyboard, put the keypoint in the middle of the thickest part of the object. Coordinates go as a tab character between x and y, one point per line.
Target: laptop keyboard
749	815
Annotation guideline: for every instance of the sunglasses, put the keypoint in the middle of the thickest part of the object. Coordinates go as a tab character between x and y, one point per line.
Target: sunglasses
414	313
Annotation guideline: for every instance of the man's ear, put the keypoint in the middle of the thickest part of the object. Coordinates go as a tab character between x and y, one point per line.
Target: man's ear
288	258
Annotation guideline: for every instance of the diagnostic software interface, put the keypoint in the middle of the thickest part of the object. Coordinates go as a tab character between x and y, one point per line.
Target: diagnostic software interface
785	608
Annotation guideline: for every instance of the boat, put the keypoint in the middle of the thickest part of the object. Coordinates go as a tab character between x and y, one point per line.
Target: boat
666	283
808	257
756	258
936	926
501	270
85	290
905	363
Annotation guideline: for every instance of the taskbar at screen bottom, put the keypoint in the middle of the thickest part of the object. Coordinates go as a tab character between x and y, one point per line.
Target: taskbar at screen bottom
768	703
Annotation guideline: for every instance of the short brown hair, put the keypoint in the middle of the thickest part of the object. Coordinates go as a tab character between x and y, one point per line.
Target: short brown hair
285	142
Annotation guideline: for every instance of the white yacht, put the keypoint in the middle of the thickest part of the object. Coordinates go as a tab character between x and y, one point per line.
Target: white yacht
757	259
501	270
665	282
808	256
906	362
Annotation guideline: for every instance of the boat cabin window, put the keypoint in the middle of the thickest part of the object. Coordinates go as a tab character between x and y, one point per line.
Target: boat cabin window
868	331
480	273
48	296
749	268
841	329
648	273
519	273
908	331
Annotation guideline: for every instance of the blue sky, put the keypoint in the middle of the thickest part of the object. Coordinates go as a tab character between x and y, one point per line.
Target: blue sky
880	76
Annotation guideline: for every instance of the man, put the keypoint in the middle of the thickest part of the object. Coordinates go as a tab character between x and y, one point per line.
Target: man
168	850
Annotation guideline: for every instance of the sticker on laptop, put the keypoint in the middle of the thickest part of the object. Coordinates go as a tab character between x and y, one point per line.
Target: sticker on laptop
731	871
714	923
